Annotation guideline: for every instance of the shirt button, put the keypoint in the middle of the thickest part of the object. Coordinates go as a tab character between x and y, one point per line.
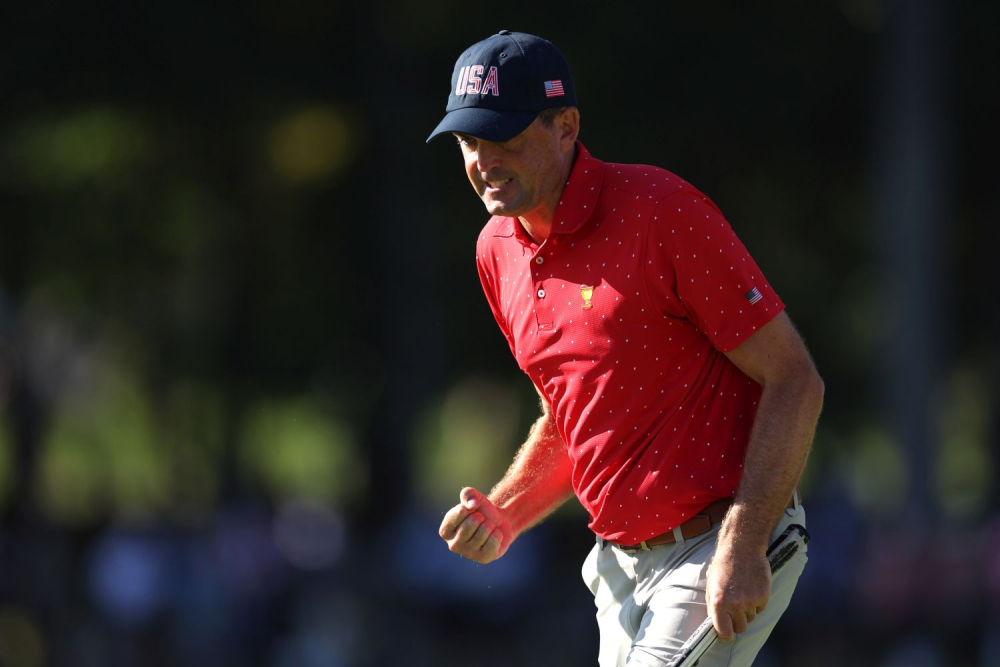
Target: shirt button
539	260
541	294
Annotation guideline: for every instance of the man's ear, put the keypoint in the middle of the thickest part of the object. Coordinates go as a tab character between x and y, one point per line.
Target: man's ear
568	126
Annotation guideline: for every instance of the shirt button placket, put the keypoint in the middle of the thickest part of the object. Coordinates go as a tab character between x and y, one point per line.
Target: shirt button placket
543	315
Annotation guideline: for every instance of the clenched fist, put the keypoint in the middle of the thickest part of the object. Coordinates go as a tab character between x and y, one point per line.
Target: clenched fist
739	585
476	528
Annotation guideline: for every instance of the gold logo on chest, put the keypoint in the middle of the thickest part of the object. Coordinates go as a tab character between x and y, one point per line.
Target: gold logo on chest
587	293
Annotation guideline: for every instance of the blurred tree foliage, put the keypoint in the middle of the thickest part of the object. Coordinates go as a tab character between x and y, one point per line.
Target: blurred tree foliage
233	277
223	242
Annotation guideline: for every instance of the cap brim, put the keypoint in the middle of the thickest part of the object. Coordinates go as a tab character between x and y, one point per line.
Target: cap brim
485	124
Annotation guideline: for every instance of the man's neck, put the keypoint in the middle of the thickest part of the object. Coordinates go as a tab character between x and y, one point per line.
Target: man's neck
537	227
538	223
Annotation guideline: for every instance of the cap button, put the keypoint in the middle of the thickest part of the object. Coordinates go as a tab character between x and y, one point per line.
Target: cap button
504	32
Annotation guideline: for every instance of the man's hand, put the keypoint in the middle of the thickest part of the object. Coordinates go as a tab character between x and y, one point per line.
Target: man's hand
476	528
739	585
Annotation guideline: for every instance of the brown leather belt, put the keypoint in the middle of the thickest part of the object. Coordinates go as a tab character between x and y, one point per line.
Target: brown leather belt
697	525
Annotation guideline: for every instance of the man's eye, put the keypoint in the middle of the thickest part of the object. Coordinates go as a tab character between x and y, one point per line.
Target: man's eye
466	141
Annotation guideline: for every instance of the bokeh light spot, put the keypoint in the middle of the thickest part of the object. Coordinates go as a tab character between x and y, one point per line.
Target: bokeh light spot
468	439
86	146
309	534
879	474
297	450
310	145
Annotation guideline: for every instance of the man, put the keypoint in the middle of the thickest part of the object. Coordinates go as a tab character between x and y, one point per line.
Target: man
678	402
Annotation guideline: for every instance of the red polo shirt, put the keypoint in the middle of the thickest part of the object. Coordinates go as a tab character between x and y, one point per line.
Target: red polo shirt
621	318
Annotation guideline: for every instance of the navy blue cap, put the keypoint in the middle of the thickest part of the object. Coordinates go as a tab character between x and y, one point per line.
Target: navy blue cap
501	84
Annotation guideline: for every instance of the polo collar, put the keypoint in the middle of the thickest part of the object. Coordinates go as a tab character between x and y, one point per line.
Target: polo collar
579	198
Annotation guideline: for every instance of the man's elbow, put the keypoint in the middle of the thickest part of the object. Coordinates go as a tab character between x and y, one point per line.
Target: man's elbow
800	382
811	386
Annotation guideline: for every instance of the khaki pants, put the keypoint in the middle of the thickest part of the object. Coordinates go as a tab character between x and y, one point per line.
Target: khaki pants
650	602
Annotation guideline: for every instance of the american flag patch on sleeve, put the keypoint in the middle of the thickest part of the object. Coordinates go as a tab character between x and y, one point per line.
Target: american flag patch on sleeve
753	296
554	88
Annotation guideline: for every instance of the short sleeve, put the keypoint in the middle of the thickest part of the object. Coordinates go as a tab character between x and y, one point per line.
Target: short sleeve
697	269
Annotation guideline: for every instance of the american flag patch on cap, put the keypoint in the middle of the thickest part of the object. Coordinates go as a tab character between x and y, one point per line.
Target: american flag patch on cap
754	296
554	88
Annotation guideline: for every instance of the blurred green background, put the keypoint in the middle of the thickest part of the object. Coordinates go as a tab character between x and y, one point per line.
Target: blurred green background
246	364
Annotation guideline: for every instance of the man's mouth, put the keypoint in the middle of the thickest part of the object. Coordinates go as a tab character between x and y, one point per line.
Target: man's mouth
498	184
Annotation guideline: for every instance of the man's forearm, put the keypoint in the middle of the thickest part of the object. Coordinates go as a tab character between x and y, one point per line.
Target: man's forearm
776	455
539	479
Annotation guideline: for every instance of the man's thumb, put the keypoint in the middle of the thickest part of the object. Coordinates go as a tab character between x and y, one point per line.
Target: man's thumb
471	498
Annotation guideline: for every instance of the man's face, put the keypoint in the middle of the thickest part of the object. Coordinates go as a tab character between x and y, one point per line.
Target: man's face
520	175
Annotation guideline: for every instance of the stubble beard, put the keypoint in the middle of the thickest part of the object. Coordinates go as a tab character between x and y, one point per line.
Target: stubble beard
511	205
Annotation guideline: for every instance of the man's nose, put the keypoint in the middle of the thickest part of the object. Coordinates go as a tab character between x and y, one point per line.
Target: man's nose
486	157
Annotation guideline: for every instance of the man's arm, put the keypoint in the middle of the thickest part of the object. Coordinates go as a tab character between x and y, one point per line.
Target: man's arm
739	581
539	481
